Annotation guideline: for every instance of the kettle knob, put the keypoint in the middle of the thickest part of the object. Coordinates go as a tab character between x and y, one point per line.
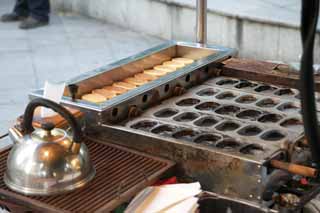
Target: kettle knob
48	126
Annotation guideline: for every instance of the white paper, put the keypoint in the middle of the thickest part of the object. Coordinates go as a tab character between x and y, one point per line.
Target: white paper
166	198
53	92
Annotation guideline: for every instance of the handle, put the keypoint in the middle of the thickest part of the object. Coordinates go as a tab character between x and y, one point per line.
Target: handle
29	112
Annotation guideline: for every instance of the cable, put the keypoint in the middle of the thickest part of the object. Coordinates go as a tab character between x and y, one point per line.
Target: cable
3	136
309	19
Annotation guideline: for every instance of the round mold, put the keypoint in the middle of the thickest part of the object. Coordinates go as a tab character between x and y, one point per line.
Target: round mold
227	126
249	114
250	131
186	117
206	121
273	135
188	102
207	106
228	110
145	125
166	113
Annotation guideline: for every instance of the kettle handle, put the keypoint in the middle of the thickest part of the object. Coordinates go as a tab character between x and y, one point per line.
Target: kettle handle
29	112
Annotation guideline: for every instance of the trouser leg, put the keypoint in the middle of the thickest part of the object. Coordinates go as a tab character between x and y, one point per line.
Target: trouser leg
21	8
39	9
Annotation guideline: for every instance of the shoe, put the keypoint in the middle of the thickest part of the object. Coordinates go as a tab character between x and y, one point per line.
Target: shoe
31	23
11	17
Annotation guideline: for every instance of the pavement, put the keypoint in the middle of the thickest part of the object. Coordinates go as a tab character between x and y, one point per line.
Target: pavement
70	45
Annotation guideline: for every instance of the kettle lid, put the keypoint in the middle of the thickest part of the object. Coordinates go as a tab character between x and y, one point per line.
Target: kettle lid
48	133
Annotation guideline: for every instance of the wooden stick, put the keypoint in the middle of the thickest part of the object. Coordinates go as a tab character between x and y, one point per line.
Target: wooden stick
295	169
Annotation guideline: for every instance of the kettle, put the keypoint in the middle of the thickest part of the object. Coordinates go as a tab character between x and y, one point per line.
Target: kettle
47	160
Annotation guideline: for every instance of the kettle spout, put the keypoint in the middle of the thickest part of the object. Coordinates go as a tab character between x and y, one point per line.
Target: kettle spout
15	135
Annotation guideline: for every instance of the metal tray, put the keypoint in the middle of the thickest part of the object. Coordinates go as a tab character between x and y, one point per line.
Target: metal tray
117	108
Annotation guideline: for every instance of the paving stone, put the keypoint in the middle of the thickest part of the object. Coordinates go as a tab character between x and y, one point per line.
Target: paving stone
69	46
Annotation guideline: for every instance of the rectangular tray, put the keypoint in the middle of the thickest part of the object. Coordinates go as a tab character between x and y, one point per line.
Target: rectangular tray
117	108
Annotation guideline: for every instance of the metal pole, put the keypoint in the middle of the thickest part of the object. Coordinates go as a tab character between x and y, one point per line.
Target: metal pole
202	21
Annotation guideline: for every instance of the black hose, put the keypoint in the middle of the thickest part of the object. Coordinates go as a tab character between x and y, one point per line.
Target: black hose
309	19
3	136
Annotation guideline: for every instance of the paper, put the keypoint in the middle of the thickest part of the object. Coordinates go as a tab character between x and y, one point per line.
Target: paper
167	198
53	92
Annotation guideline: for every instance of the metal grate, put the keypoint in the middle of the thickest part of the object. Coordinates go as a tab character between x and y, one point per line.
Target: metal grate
120	174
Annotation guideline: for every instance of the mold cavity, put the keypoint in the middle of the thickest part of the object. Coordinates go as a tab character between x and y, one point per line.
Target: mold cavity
246	99
144	125
228	110
163	129
228	144
293	123
144	98
226	96
286	92
228	126
207	92
186	117
249	114
227	82
288	107
264	88
206	122
272	135
207	139
270	118
166	88
208	106
252	149
245	84
166	113
188	77
114	112
249	131
188	102
268	102
186	134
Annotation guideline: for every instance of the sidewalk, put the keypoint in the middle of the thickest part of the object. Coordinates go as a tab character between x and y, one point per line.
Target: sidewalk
70	45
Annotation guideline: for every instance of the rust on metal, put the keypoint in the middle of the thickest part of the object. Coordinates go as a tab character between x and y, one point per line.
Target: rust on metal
117	167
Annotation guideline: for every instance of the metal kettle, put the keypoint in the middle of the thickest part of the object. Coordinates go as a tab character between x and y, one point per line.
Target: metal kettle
47	161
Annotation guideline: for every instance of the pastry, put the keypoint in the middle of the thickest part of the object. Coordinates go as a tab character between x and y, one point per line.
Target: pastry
144	76
105	93
135	81
183	60
163	68
174	64
156	73
94	98
124	85
116	90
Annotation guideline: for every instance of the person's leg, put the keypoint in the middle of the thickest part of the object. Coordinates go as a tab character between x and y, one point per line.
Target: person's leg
38	14
39	9
21	8
20	12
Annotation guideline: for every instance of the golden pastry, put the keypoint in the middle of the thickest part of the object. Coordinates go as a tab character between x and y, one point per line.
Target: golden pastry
183	60
135	81
163	68
144	76
95	98
105	93
124	85
174	64
116	90
156	73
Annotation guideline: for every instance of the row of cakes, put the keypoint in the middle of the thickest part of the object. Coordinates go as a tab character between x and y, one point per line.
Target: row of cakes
117	88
